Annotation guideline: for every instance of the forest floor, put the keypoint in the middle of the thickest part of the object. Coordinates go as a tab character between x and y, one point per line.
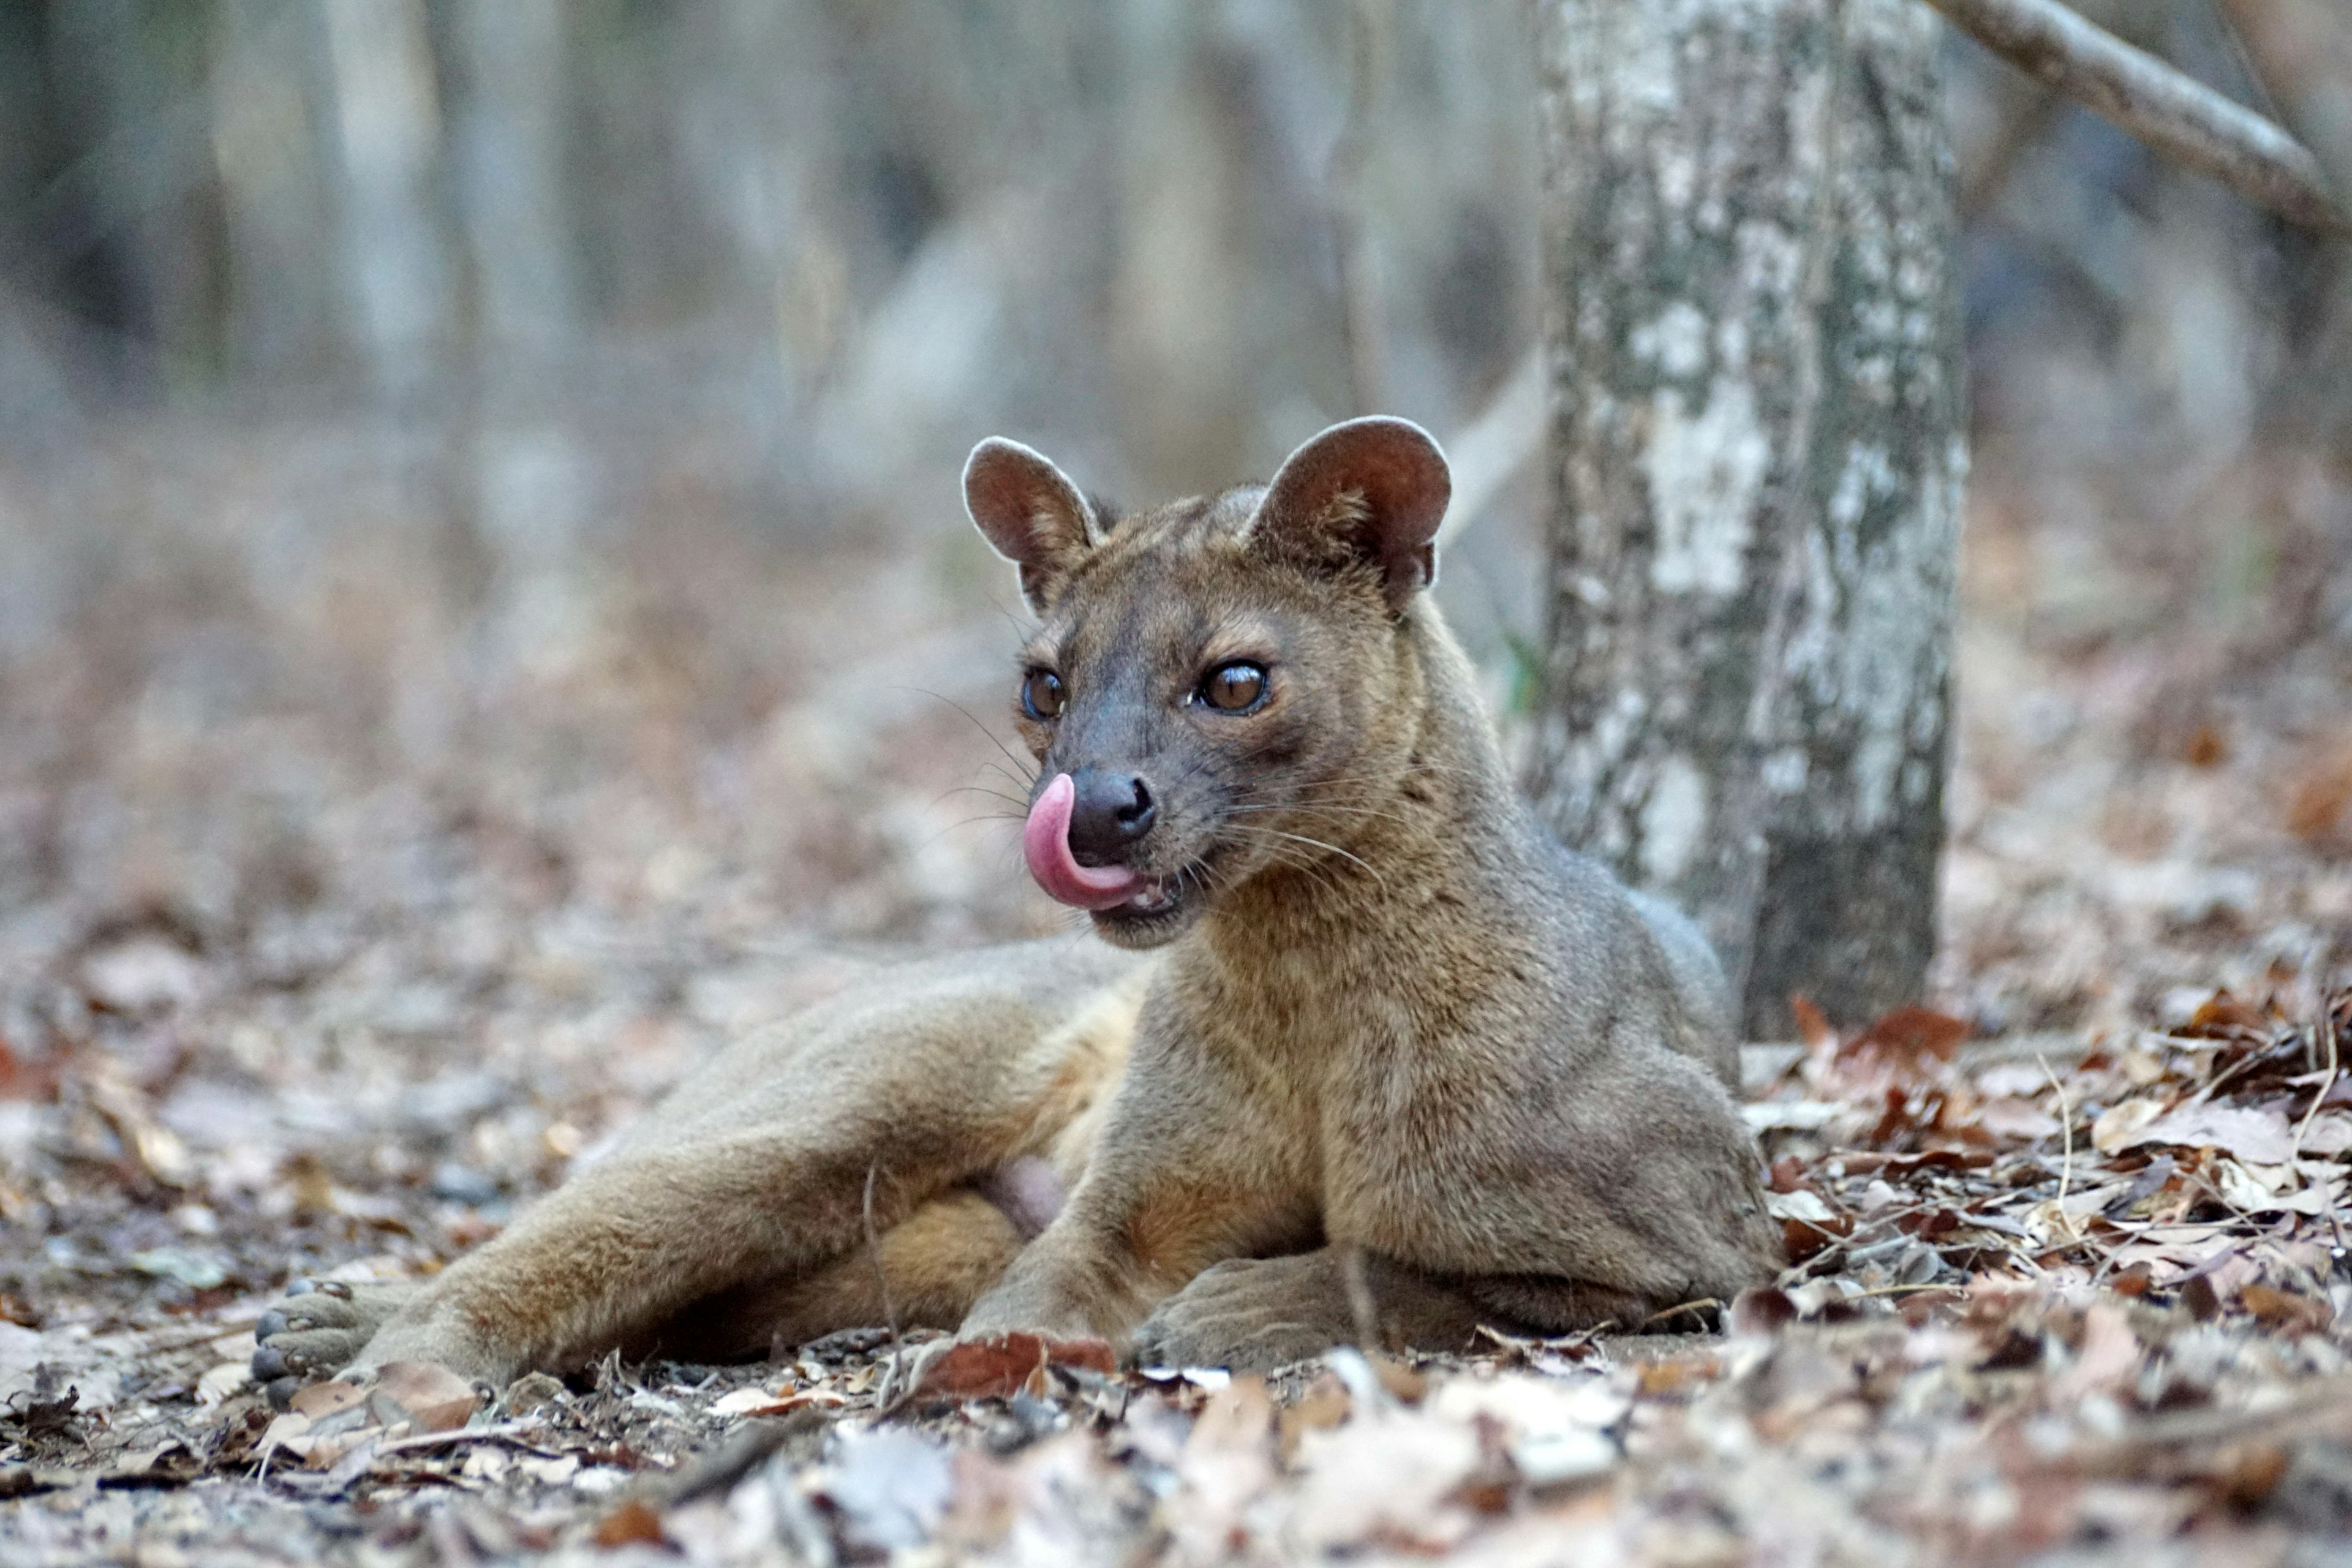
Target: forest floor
357	876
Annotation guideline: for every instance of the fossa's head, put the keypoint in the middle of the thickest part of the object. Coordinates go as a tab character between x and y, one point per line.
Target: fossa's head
1219	686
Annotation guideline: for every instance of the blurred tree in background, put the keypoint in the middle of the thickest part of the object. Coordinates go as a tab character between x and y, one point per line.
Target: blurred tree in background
860	230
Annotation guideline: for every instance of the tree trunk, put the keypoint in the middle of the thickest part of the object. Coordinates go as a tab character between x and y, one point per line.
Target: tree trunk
508	156
1756	372
396	252
272	145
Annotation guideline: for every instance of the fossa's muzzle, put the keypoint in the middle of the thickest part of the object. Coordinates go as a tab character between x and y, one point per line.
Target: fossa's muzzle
1064	819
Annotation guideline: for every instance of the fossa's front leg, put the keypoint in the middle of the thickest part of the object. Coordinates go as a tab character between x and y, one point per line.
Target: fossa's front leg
1254	1314
1182	1178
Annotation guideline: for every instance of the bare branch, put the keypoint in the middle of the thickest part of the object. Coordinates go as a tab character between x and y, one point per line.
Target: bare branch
2155	102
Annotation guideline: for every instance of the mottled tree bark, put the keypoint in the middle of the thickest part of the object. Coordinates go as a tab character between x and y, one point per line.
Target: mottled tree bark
1756	370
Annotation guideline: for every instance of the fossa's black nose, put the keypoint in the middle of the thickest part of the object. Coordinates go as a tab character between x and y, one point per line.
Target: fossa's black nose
1112	810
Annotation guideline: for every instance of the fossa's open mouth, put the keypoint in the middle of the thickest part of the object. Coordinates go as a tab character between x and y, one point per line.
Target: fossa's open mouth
1046	845
1113	891
1157	896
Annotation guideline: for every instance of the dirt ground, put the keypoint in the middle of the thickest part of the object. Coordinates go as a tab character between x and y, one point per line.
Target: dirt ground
362	866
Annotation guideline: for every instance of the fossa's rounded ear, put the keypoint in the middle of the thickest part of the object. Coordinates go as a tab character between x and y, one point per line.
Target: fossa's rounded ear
1372	490
1030	513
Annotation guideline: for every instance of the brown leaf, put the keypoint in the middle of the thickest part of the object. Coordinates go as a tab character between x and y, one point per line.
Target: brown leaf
1799	1239
630	1524
1392	1480
1323	1407
1760	1308
430	1397
1404	1385
2260	1136
2222	1015
2286	1311
1811	1028
1907	1037
1002	1364
321	1400
2318	795
2247	1473
1859	1161
19	1081
1677	1374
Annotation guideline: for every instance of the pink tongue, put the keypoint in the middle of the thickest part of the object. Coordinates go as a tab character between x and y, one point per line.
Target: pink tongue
1047	844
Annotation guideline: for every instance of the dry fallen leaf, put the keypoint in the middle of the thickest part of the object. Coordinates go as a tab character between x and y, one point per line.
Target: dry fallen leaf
1006	1364
430	1397
2013	1117
1555	1429
631	1523
320	1400
1228	1462
2284	1310
2260	1136
2222	1015
221	1382
1389	1477
891	1485
2115	1127
744	1401
1907	1037
2108	1354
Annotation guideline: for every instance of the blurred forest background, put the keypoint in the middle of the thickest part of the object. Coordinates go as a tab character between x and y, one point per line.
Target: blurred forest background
480	559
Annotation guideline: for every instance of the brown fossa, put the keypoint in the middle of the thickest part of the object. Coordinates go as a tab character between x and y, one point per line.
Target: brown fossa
1357	1030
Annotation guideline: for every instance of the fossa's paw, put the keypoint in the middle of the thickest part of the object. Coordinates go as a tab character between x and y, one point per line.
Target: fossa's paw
1249	1314
316	1329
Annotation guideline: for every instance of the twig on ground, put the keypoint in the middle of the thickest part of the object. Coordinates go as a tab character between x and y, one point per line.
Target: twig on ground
2171	113
1679	1308
743	1451
874	1256
2066	1129
2327	1027
510	1433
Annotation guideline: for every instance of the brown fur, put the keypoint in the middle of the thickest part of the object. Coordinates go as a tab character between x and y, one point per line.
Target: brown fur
1386	1019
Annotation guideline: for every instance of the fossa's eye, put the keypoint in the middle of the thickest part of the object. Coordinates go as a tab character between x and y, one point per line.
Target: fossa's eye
1041	695
1236	686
